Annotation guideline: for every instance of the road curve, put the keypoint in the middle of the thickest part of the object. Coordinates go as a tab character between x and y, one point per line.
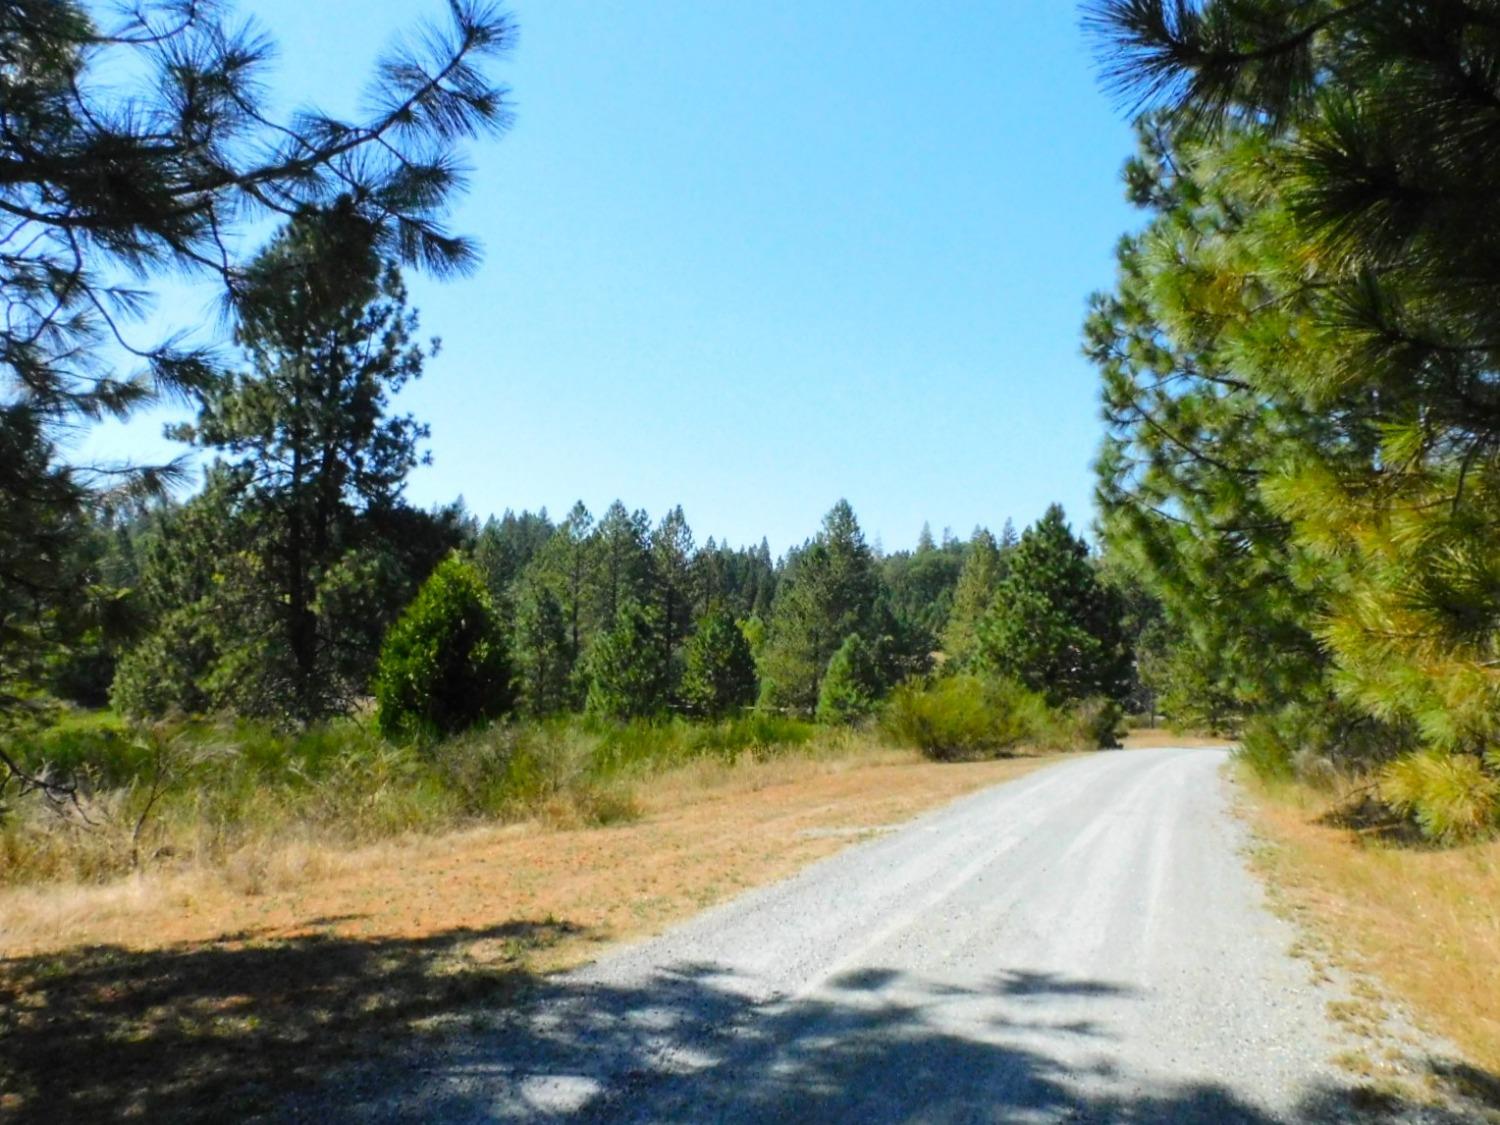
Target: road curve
1084	944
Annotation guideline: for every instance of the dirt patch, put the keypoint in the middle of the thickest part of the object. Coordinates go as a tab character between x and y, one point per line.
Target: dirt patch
189	1000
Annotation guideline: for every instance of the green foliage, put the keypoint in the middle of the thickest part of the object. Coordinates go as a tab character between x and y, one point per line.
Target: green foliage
918	586
443	667
964	716
541	650
1094	723
851	685
628	671
973	598
1053	626
828	591
1451	796
1300	364
718	675
140	143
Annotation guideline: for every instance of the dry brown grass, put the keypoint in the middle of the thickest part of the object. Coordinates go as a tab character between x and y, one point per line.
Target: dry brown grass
1424	921
205	996
1146	738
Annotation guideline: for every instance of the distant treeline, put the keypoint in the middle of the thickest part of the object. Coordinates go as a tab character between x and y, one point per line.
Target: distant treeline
621	616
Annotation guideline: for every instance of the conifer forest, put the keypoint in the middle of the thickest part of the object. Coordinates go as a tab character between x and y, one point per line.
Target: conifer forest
1298	475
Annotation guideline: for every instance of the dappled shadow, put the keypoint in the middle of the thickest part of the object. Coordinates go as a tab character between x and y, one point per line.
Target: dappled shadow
1022	983
1372	819
218	1031
332	1029
695	1043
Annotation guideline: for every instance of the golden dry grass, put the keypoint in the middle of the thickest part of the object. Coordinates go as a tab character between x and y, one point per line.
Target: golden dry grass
1424	921
1146	738
706	831
204	997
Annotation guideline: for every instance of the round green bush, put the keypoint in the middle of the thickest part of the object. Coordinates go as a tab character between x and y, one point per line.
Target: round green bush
444	666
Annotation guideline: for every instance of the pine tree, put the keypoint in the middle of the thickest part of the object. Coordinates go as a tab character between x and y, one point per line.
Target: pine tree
444	667
672	580
1054	627
828	592
851	685
1350	293
719	669
541	652
307	433
621	561
628	676
505	547
978	583
146	146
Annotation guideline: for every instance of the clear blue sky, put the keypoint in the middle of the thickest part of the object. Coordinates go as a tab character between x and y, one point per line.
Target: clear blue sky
755	257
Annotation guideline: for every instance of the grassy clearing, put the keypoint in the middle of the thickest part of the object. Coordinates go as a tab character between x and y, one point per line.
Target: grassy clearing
1423	920
193	1001
225	797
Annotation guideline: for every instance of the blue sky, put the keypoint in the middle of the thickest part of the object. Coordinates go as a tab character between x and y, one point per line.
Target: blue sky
752	258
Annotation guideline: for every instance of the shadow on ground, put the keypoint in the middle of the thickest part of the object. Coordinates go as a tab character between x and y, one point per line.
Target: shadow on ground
230	1031
219	1031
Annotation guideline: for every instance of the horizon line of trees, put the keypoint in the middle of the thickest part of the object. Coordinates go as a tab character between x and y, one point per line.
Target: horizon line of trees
618	617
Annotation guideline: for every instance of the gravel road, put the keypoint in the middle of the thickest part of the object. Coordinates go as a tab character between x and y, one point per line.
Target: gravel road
1084	944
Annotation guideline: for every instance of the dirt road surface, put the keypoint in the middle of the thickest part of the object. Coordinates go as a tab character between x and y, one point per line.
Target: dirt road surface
1085	944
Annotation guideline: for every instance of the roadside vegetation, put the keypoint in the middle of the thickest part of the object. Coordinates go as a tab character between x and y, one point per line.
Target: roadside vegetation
1375	897
1299	358
1301	474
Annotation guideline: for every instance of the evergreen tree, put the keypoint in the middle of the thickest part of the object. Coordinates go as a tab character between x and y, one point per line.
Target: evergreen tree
505	547
1349	293
628	675
719	669
443	667
307	434
672	580
146	147
852	683
565	567
828	592
542	659
1009	540
621	564
1054	627
974	596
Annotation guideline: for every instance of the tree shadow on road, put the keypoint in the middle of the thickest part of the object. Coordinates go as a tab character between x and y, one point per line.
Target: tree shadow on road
453	1027
872	1046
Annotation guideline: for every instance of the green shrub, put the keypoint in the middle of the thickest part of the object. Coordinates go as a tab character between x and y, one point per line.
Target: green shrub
760	734
1089	724
850	685
443	667
963	716
1452	797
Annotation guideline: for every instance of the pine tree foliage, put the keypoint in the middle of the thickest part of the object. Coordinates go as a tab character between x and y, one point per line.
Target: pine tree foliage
973	597
1352	291
139	140
1054	627
540	651
852	685
629	676
829	590
444	666
718	675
